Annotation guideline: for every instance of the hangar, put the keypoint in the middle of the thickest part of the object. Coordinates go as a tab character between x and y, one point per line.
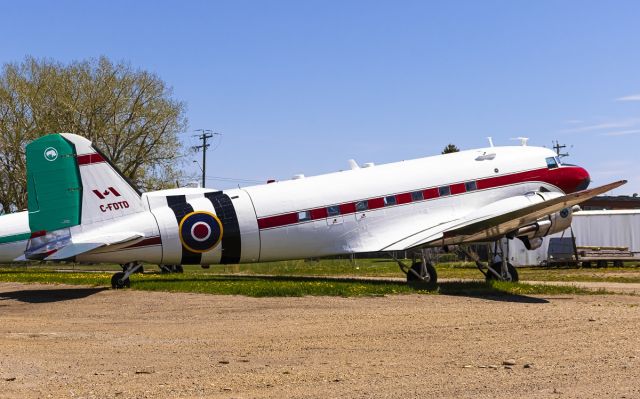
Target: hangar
607	228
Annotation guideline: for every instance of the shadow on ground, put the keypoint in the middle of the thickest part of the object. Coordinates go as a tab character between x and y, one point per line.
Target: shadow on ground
472	289
49	295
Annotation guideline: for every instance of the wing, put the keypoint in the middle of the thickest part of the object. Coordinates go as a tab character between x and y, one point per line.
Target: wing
497	220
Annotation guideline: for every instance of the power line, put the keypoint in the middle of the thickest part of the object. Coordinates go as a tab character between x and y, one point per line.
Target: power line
205	134
231	179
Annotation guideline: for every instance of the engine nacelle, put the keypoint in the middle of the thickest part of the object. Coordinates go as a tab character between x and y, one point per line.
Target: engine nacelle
532	234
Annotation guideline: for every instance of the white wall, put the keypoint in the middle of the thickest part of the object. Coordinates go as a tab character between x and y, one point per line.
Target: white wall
591	228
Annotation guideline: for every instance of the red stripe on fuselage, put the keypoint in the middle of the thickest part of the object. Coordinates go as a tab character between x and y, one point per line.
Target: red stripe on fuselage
89	159
560	177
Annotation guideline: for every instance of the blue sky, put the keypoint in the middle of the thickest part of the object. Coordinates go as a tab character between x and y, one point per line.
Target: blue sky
302	86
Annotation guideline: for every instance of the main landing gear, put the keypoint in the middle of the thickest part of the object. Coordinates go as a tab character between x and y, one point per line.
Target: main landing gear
171	269
421	270
121	279
499	267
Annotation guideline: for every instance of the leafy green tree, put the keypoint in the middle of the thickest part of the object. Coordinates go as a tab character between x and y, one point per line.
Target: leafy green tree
450	148
128	113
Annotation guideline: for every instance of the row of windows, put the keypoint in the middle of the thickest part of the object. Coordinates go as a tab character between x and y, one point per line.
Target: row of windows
390	200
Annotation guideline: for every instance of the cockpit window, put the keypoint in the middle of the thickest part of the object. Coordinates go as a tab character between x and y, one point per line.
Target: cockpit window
558	161
552	163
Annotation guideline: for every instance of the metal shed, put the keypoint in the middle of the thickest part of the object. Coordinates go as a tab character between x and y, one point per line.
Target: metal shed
619	228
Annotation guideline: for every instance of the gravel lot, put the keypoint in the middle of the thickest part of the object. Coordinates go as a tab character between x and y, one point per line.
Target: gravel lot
66	341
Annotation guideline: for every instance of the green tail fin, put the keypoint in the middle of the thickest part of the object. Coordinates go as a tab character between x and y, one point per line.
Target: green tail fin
54	188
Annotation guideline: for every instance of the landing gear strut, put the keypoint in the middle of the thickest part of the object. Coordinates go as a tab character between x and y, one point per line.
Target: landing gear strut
171	269
421	270
121	279
499	267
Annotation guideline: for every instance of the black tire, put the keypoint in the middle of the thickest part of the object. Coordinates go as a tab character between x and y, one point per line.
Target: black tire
498	267
117	282
417	267
618	263
179	269
602	263
586	264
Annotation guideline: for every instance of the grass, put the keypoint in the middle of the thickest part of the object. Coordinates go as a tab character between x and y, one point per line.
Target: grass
385	268
283	286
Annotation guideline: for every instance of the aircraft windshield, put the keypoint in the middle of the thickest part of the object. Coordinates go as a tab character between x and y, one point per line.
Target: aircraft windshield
552	162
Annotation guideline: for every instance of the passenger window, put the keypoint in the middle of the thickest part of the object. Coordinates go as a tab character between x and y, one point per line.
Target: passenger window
470	186
444	191
417	196
333	210
390	200
304	216
551	163
361	206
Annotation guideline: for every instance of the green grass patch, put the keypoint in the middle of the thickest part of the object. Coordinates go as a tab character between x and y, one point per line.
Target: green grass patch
377	268
285	286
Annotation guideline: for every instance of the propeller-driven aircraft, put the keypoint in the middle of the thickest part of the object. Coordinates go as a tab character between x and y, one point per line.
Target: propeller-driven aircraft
81	208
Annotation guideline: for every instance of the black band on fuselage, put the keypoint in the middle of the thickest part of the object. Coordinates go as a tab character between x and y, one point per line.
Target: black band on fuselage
231	240
181	208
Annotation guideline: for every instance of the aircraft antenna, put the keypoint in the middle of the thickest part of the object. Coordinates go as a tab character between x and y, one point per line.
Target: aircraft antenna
523	140
559	147
490	141
205	134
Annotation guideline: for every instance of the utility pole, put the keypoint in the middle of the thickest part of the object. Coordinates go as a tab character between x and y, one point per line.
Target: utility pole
558	147
205	134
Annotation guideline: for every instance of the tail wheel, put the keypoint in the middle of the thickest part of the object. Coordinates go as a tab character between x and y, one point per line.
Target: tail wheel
117	281
417	268
513	272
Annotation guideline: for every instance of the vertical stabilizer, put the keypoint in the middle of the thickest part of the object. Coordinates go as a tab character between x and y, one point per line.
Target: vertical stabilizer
71	183
54	189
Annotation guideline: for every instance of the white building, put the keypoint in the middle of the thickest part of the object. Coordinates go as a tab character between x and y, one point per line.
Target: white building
619	228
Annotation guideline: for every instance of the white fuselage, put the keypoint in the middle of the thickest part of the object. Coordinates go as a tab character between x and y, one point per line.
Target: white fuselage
337	213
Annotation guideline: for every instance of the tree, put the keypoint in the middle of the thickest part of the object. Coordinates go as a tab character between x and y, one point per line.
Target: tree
128	113
450	148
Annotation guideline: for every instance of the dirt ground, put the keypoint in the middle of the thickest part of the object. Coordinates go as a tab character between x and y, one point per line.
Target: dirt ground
64	341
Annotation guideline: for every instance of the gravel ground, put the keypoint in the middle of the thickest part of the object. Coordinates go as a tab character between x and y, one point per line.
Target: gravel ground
64	341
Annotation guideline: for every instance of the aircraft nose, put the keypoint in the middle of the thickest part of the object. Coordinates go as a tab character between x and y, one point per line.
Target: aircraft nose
584	183
573	178
582	179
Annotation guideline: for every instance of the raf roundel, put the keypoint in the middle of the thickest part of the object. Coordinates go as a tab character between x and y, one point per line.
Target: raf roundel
200	231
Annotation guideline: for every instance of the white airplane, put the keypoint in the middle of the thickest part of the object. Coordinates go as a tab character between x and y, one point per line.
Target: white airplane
80	208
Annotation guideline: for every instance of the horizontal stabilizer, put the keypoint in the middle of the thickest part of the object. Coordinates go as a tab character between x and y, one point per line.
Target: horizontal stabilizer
72	250
84	244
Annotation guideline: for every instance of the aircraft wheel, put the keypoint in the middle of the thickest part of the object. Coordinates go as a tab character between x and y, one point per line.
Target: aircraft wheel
586	264
498	267
417	267
117	281
618	263
601	263
179	269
